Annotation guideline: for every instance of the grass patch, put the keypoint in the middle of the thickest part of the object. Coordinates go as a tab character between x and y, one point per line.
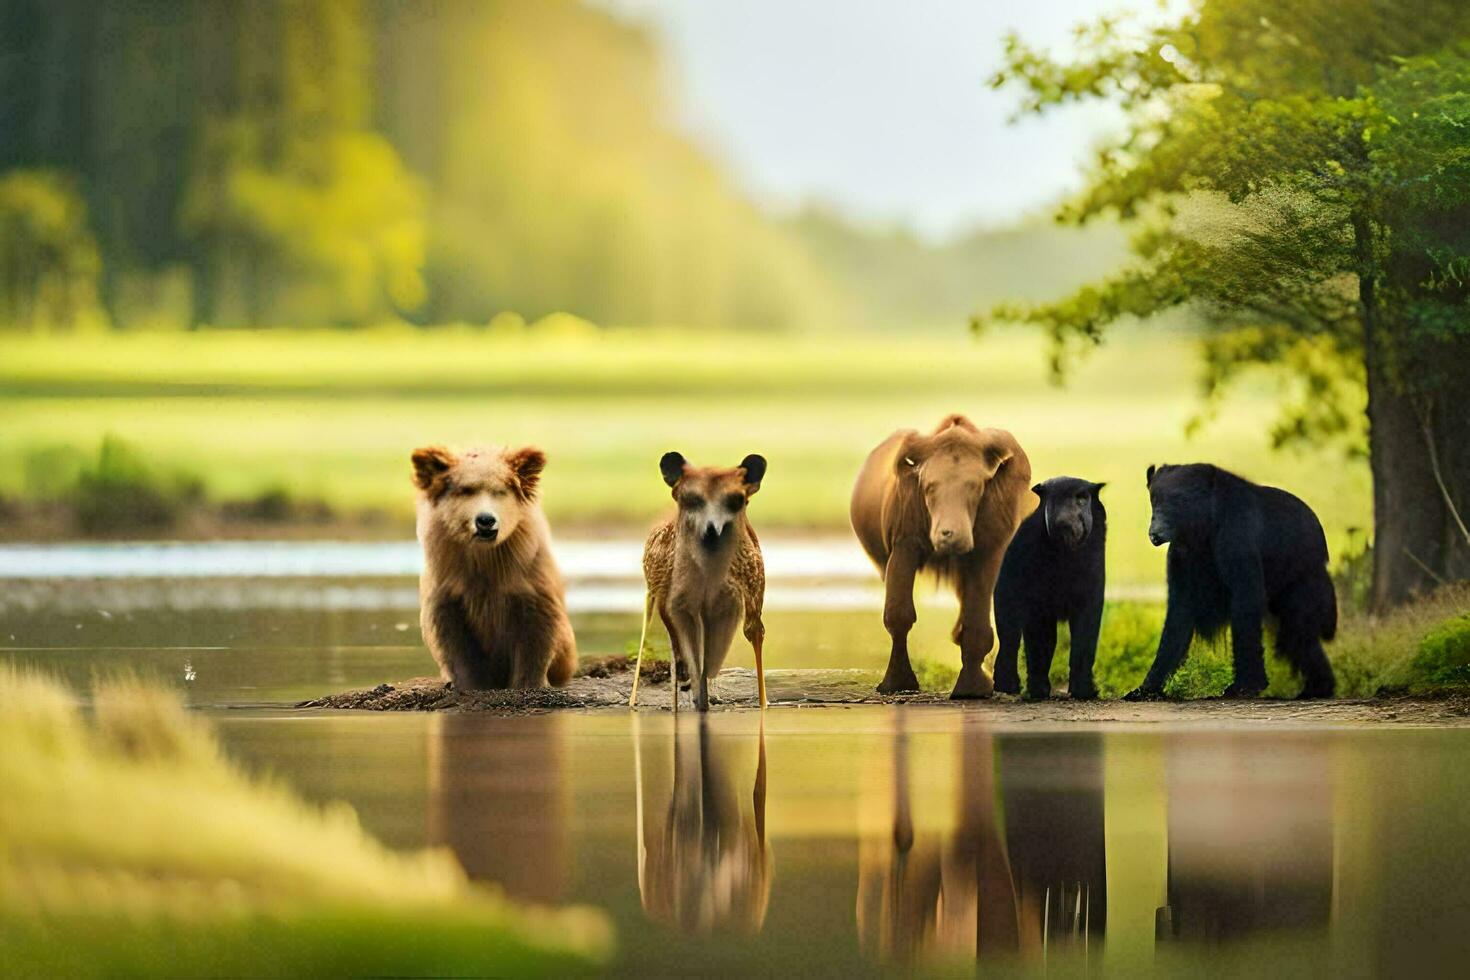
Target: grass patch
1386	653
120	492
936	675
133	846
333	416
1422	647
1443	659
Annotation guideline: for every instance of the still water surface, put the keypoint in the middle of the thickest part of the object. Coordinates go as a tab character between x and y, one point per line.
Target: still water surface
820	840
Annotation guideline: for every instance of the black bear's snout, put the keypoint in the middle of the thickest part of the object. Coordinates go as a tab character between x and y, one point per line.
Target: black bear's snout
486	525
1156	539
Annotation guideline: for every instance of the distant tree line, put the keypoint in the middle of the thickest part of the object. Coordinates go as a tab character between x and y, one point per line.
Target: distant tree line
284	162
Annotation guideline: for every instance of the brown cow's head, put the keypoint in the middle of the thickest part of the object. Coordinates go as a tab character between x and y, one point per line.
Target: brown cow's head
951	468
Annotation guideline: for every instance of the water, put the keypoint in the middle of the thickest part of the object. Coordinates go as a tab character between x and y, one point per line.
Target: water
817	840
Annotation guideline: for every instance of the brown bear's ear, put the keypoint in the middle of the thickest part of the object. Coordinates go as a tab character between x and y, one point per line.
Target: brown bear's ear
527	465
1148	478
754	466
430	463
671	465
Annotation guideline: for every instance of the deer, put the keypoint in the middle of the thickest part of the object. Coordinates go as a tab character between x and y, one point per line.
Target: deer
704	572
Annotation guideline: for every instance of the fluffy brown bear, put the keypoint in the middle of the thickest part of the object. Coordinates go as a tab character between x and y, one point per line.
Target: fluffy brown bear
491	600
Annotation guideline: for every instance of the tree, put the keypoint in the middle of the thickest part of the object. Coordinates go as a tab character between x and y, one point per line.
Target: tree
297	209
1301	175
48	257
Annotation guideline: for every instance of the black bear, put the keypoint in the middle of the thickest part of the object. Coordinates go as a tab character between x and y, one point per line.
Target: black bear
1237	553
1053	571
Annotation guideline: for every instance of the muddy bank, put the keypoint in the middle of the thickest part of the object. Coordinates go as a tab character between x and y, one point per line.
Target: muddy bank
606	683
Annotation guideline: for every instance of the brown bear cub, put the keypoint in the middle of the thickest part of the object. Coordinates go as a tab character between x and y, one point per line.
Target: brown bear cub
491	600
704	571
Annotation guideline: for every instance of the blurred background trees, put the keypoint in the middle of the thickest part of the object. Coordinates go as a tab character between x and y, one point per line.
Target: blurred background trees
1301	173
343	162
283	162
48	258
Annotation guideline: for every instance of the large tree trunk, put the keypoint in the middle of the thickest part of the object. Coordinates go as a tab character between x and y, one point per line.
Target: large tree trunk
1419	451
1417	540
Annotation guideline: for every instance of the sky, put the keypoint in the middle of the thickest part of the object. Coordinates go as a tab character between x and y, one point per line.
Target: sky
880	107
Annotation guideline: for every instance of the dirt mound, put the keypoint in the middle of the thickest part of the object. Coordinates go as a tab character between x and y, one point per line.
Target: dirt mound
606	683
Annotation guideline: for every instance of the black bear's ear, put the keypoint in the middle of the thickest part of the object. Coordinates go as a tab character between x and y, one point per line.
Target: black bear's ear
671	465
1148	479
1097	488
1038	489
754	466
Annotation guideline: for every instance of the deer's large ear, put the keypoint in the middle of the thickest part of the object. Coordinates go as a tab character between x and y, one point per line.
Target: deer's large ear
1148	478
671	465
755	471
527	465
429	464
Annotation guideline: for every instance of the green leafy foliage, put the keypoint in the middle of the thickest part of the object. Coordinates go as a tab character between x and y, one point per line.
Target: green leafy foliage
1299	173
1249	171
1444	656
49	261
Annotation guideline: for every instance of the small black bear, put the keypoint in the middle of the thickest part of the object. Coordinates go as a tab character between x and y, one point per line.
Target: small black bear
1053	570
1237	553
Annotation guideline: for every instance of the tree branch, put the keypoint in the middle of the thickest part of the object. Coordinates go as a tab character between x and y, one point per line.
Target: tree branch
1427	570
1449	501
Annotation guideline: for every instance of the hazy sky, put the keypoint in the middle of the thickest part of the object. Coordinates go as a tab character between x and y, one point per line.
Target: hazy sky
879	106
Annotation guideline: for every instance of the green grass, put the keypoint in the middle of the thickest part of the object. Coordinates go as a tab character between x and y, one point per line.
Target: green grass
333	415
133	846
1422	647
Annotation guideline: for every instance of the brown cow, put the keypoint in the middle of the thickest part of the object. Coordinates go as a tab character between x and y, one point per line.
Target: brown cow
946	503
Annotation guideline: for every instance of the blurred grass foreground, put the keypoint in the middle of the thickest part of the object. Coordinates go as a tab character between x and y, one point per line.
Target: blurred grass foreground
125	824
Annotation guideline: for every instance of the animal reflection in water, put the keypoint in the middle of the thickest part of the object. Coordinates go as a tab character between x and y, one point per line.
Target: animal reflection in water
706	867
977	893
500	801
1250	839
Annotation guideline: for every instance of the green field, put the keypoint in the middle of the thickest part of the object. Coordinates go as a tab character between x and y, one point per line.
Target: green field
334	415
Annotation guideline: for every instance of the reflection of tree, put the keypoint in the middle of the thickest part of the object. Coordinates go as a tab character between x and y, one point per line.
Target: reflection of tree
707	868
1052	787
1250	839
496	798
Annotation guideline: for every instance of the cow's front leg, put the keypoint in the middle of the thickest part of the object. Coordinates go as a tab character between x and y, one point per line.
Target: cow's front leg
973	631
898	618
